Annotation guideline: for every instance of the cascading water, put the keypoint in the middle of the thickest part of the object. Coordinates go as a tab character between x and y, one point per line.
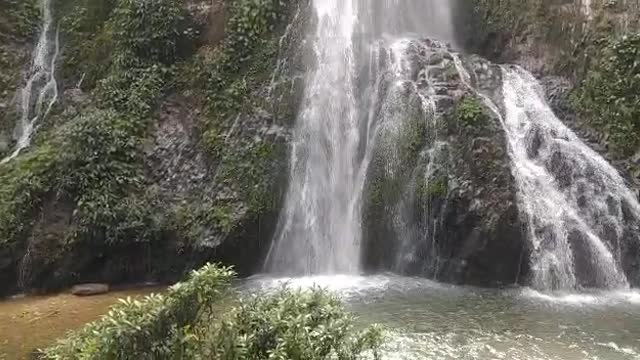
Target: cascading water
40	92
320	226
373	83
318	231
577	206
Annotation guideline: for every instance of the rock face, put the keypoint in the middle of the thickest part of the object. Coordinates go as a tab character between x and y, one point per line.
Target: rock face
440	195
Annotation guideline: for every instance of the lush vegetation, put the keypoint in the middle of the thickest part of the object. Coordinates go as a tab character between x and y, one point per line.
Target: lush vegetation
609	96
145	329
95	159
127	55
19	19
91	160
193	321
226	78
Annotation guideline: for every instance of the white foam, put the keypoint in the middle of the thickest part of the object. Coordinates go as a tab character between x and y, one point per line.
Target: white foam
598	298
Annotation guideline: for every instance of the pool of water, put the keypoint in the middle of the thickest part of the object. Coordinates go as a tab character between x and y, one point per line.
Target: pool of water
423	319
428	320
30	323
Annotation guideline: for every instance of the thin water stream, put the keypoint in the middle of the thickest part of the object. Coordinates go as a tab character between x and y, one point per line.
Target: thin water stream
40	92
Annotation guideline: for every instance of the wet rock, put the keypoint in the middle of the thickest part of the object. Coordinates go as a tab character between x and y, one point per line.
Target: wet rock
585	270
448	209
561	168
89	289
535	143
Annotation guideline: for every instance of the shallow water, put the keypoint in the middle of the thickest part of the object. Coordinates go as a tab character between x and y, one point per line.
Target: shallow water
35	322
427	320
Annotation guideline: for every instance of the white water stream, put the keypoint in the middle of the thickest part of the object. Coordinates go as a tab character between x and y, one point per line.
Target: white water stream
40	92
576	204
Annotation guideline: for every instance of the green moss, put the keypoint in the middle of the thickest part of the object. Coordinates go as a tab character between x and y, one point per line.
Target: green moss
435	188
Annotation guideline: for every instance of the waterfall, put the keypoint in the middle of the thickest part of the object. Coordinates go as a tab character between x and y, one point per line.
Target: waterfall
41	90
577	206
320	225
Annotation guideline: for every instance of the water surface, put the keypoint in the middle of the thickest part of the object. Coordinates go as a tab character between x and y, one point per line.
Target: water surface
428	320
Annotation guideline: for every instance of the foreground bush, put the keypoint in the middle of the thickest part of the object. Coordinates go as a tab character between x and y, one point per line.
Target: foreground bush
143	329
184	324
288	325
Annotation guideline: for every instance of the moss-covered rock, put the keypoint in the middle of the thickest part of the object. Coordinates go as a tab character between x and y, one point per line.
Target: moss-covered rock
440	193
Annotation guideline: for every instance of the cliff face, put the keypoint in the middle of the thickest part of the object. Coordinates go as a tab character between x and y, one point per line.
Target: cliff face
168	145
585	52
166	148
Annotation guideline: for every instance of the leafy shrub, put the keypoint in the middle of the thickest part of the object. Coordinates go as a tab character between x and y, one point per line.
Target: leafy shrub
224	78
470	112
290	325
106	35
142	329
22	185
88	43
185	324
